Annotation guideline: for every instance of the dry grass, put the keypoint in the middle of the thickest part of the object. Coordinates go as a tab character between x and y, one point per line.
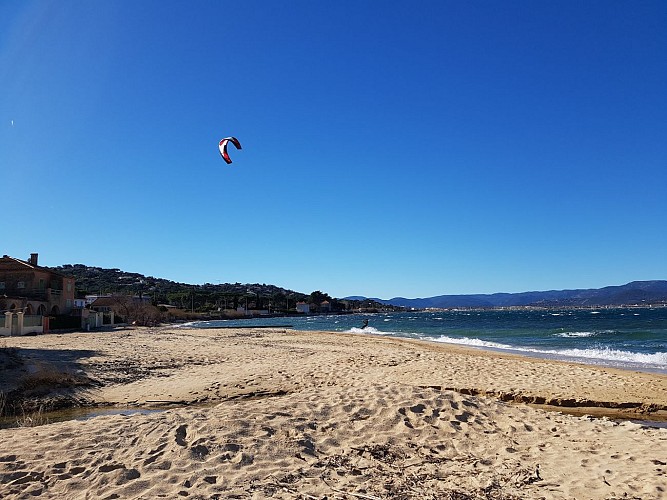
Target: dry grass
21	417
44	378
32	418
44	388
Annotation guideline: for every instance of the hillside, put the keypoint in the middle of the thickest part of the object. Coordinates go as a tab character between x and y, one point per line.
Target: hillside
201	298
634	293
96	280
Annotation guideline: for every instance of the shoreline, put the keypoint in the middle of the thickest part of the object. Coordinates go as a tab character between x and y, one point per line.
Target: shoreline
573	404
578	360
292	414
606	354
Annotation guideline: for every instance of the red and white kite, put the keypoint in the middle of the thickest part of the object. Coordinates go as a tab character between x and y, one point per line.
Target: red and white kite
223	147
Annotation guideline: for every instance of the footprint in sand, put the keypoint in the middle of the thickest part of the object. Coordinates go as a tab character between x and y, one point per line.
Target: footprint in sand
232	453
463	416
155	454
413	415
199	451
111	467
22	477
419	408
181	432
233	447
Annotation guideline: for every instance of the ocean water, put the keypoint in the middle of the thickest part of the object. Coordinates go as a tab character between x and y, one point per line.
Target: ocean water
629	338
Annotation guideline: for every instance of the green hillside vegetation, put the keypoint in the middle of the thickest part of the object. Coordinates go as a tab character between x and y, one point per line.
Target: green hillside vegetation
207	299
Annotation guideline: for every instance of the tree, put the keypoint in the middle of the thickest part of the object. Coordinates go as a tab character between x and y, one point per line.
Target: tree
318	297
136	311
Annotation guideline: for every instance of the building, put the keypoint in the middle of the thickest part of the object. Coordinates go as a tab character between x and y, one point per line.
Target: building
33	290
302	307
96	300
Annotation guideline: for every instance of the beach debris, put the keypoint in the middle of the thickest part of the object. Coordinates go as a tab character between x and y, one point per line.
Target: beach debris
222	146
351	493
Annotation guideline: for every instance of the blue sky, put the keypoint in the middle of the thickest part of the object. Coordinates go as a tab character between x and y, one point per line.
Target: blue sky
389	148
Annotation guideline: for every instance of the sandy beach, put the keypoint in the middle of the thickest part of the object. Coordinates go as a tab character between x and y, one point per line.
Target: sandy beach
276	413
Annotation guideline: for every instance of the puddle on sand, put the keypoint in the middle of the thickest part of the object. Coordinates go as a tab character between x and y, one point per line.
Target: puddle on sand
51	417
650	423
86	413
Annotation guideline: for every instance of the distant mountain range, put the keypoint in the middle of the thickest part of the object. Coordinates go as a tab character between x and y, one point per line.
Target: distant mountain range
634	293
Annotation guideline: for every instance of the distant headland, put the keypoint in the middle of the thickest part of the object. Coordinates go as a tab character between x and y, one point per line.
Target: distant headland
635	293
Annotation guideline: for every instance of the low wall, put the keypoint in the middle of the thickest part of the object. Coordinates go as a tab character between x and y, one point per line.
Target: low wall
33	324
6	326
20	324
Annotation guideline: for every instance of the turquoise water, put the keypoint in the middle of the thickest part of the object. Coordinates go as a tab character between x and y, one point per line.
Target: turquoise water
630	338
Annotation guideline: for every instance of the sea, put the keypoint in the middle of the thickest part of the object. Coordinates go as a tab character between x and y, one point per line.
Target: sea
632	338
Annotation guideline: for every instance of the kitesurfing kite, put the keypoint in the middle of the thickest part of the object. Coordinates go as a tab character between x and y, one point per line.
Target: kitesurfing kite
223	147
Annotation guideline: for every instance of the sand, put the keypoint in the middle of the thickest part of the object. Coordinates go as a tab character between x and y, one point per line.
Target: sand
275	413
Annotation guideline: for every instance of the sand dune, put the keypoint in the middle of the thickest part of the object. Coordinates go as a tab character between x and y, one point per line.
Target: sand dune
283	414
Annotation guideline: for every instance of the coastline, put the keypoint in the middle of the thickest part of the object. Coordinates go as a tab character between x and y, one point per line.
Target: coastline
557	357
286	413
612	338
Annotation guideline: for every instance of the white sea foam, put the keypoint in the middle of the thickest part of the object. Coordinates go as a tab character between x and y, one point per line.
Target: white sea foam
369	330
189	324
605	355
657	359
471	342
594	333
576	334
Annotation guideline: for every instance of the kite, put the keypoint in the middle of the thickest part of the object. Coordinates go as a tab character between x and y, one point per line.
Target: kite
223	147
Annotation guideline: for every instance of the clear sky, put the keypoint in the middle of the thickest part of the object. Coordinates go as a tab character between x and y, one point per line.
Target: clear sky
389	148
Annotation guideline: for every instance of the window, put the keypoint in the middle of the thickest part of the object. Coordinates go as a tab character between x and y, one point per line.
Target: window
2	285
20	284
